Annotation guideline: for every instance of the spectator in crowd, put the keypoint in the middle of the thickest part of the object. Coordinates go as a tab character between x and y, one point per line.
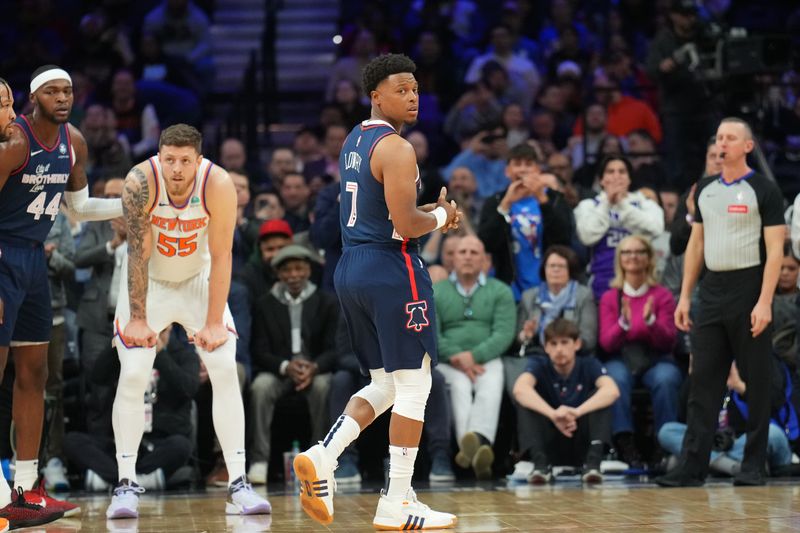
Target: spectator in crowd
637	331
282	161
514	120
109	151
435	73
325	233
306	146
347	97
295	195
560	166
584	147
485	155
440	253
183	31
565	415
687	104
478	109
258	275
348	379
647	168
166	444
731	435
349	67
136	120
588	175
59	249
233	156
518	224
246	231
267	205
463	187
625	113
543	130
521	70
294	350
603	221
784	310
328	164
475	326
430	180
669	198
552	98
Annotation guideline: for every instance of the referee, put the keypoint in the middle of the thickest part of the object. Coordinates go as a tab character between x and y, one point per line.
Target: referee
738	230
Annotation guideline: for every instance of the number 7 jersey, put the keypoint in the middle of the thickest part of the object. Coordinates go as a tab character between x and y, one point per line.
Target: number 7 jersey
179	248
30	199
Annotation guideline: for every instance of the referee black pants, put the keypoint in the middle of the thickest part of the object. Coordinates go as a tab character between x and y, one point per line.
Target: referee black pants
721	334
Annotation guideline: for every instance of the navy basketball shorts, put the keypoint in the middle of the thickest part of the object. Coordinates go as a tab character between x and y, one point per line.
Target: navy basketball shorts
25	290
387	300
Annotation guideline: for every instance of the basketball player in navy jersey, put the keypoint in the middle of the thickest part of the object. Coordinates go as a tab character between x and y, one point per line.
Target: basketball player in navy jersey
386	297
42	161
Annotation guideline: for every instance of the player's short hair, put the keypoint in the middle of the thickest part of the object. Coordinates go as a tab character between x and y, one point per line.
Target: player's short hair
181	135
384	66
560	328
4	82
736	120
523	152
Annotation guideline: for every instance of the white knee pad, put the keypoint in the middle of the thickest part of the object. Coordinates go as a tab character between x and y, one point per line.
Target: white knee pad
412	388
379	393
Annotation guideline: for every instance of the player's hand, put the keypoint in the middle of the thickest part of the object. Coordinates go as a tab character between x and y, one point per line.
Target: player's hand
760	318
529	328
451	209
515	192
648	310
625	310
682	321
138	333
211	337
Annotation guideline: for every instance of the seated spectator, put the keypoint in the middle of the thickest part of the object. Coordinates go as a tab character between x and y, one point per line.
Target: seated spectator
603	221
731	434
543	130
282	161
478	109
306	146
784	310
267	205
517	225
566	415
560	166
514	121
166	444
346	96
431	181
637	331
348	379
325	233
588	175
136	119
182	30
109	151
647	168
257	274
295	195
294	350
475	324
246	231
553	98
328	163
463	188
233	156
585	147
350	66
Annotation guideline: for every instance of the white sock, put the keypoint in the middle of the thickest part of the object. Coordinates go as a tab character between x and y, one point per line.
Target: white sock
234	462
401	470
26	474
344	431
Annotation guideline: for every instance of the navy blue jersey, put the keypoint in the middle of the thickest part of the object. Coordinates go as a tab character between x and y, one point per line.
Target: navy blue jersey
363	215
30	199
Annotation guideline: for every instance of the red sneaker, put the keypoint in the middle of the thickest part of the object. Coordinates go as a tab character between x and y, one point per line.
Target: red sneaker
39	496
21	513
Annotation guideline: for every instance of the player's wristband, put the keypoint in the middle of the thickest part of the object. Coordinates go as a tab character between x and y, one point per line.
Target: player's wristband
441	217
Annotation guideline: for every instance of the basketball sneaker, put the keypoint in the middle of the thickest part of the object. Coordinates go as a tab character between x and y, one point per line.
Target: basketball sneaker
21	513
409	514
3	525
242	499
314	471
125	502
39	496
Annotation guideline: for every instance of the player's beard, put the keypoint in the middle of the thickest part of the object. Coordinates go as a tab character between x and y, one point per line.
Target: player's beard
51	117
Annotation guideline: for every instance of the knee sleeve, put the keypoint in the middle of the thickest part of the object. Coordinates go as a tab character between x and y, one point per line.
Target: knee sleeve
136	366
380	392
412	388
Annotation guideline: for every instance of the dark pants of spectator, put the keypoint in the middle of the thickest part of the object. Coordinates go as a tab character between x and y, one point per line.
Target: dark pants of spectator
546	445
438	420
54	392
722	333
88	452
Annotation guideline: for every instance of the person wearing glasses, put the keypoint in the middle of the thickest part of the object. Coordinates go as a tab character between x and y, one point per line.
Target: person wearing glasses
638	332
475	327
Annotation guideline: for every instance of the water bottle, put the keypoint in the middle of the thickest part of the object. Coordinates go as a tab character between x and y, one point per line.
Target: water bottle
288	466
722	420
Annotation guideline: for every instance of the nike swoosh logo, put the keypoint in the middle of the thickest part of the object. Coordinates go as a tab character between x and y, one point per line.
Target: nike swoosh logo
43	503
36	152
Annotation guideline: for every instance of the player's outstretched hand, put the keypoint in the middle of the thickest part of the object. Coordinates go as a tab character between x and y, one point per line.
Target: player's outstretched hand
211	337
138	333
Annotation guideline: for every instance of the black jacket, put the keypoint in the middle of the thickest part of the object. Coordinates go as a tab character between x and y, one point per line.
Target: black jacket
495	232
272	332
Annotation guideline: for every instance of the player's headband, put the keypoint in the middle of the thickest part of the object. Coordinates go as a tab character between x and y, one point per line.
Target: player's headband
49	75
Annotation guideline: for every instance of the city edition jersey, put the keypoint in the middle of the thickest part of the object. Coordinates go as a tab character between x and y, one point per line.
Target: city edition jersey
364	215
180	240
30	199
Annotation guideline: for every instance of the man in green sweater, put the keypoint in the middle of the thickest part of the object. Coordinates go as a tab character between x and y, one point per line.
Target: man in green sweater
475	323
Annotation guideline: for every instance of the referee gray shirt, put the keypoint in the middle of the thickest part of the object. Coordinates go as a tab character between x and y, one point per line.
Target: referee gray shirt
734	216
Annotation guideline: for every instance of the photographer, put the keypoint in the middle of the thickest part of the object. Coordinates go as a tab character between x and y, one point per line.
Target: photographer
686	102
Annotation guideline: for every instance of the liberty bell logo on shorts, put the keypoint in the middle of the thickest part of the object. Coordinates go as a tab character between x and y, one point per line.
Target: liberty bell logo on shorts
417	317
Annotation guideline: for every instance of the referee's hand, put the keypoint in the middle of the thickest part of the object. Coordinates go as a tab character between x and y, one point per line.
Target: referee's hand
760	317
682	321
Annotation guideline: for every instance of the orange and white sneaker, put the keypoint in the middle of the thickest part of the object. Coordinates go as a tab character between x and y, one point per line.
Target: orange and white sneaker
3	525
314	472
409	514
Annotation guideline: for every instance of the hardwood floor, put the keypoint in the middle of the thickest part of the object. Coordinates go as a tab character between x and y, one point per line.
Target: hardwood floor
616	506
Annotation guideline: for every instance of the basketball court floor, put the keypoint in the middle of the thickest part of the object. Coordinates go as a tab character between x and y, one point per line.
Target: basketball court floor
616	506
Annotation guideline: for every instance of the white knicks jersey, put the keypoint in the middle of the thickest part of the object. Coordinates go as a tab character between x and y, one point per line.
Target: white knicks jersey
179	249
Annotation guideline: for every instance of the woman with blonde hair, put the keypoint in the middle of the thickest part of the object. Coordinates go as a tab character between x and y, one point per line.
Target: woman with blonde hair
637	331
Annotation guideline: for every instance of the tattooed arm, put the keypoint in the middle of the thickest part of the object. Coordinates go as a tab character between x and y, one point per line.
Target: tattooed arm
136	202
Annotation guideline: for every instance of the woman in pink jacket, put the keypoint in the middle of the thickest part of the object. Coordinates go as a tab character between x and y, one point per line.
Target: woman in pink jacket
638	332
